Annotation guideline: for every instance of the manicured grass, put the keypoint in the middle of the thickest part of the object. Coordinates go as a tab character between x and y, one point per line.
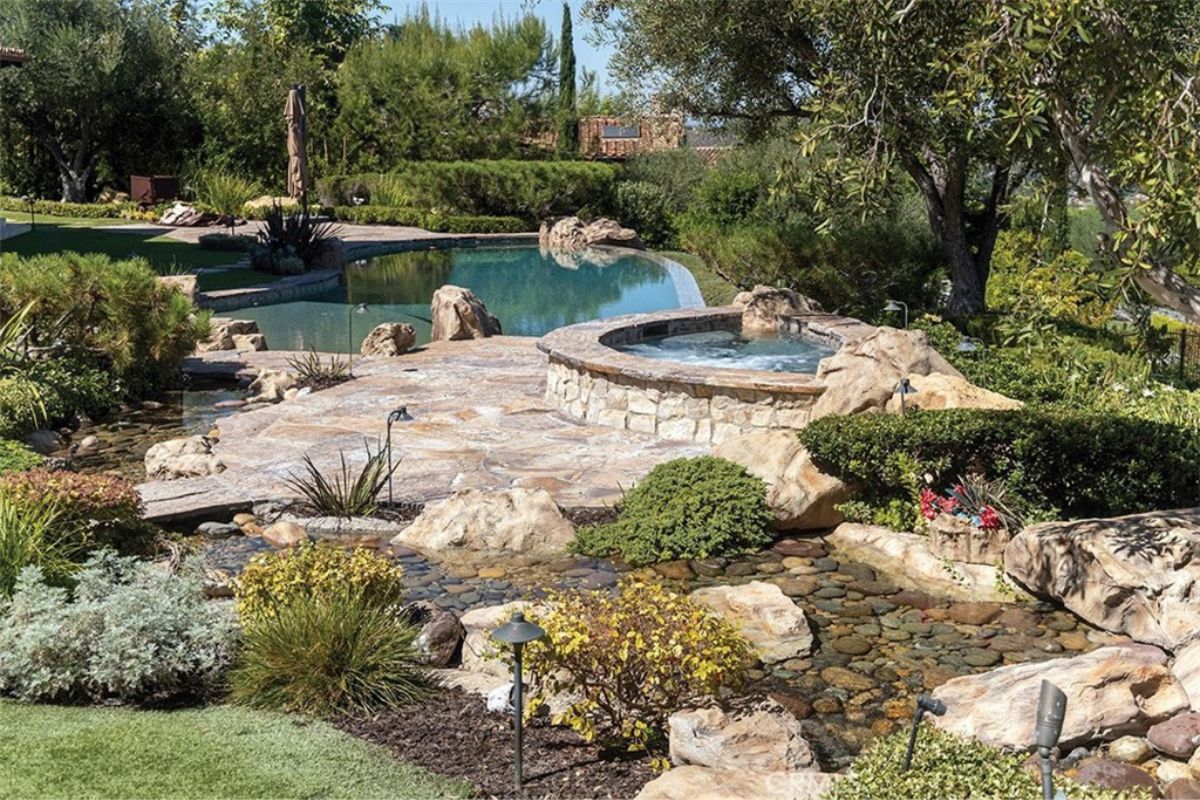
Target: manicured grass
716	290
56	751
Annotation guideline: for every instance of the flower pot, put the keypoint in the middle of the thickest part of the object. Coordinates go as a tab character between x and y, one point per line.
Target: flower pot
958	540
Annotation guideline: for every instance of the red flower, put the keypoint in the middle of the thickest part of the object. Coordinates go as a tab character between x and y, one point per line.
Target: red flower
949	504
929	503
989	519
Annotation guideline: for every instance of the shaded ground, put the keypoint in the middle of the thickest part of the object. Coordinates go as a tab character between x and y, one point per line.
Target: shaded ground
218	752
454	734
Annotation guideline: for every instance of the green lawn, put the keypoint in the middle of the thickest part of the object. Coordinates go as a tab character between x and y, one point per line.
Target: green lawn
716	290
218	752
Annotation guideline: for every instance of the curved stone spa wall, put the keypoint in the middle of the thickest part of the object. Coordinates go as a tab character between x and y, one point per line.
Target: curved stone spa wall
589	380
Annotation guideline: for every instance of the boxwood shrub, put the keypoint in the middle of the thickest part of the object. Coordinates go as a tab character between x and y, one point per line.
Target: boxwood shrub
442	223
529	190
53	208
686	508
1069	463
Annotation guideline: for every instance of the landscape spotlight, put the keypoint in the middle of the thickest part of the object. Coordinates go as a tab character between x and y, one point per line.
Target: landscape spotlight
904	389
1051	712
518	633
399	415
896	305
924	703
361	308
969	344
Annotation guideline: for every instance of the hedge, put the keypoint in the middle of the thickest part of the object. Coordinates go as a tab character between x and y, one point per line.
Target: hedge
443	223
1070	463
530	190
53	208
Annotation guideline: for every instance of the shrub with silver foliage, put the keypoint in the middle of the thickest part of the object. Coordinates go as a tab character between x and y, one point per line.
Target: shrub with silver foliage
131	633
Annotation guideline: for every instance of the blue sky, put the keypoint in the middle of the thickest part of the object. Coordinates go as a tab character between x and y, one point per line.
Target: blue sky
469	12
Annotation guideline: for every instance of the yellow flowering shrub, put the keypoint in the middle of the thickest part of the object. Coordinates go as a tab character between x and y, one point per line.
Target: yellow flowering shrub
315	570
632	659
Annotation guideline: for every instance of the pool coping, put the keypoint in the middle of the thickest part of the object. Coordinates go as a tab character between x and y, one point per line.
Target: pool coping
588	346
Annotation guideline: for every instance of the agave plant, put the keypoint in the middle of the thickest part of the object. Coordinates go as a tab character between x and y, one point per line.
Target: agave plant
311	371
297	234
975	493
346	494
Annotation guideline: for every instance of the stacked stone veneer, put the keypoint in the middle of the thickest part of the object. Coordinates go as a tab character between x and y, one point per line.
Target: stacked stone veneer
588	380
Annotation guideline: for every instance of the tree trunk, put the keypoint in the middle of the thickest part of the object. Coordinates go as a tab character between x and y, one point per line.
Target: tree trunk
968	280
74	186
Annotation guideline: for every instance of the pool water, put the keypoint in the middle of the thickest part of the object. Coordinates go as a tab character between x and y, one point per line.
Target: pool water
530	293
780	352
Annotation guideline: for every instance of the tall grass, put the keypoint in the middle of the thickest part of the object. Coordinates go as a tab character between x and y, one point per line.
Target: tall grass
225	192
35	534
331	655
391	190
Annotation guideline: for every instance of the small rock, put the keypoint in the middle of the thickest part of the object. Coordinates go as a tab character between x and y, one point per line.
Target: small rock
852	645
441	633
1169	771
389	339
1129	750
675	570
1113	775
1177	736
1181	789
974	613
847	679
284	534
762	613
217	530
244	519
492	572
766	738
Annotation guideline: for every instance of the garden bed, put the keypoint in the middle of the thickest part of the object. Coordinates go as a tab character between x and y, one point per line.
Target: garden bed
453	733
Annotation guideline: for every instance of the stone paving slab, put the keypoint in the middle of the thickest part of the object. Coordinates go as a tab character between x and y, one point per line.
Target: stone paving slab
480	421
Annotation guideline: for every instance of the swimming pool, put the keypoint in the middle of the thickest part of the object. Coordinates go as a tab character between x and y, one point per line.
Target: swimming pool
530	292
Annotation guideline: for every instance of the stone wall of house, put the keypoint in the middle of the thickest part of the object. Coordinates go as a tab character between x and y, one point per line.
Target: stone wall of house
678	411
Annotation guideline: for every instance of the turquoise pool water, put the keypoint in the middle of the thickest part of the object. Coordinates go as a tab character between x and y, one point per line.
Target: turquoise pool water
530	293
772	352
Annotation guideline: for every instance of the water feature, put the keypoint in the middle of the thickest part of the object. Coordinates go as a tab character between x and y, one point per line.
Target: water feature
130	432
529	292
772	352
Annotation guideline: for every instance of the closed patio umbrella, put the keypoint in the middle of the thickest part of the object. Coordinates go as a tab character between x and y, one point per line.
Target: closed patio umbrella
297	124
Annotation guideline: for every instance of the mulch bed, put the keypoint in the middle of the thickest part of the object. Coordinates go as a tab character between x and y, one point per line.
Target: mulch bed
452	733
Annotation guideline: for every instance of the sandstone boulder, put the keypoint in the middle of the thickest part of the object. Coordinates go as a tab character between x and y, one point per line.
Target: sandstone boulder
763	614
441	633
863	374
249	342
937	391
389	339
572	233
271	385
766	738
458	314
1112	691
1134	575
764	305
1186	669
221	333
284	534
479	649
182	458
472	520
704	783
184	284
183	215
800	496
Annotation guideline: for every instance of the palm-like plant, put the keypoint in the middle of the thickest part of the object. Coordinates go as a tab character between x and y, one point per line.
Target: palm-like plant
347	494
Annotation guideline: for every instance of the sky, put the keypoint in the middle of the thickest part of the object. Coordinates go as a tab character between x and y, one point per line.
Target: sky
469	12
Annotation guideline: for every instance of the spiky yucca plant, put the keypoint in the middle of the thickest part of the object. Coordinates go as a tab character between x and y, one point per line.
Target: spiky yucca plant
347	493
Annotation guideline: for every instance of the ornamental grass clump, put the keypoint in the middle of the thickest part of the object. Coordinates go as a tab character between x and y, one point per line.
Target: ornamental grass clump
686	508
333	654
347	493
315	571
96	509
630	660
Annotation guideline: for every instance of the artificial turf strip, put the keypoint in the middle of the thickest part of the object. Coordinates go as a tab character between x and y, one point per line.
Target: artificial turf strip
217	752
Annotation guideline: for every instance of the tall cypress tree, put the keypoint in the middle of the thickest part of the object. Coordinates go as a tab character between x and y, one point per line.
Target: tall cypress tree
568	132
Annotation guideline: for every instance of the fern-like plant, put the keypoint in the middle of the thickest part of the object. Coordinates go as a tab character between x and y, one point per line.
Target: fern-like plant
347	493
316	374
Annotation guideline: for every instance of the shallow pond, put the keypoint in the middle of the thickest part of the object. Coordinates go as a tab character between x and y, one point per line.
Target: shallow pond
531	293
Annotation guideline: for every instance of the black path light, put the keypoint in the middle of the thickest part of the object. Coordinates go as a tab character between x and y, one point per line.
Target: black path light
29	201
399	415
1051	712
970	344
924	703
518	633
904	389
361	308
896	305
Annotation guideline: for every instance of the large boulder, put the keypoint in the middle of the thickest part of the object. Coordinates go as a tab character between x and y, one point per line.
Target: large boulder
473	521
764	305
271	386
458	314
186	285
766	737
221	333
1186	669
863	374
1177	736
572	233
1134	575
705	783
182	458
1112	691
907	559
389	339
800	496
936	392
763	614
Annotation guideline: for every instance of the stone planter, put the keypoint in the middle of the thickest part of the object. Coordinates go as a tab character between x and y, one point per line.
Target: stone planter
958	540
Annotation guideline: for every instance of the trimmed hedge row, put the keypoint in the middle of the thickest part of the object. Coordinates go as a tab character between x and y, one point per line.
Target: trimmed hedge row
530	190
1072	463
443	223
53	208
